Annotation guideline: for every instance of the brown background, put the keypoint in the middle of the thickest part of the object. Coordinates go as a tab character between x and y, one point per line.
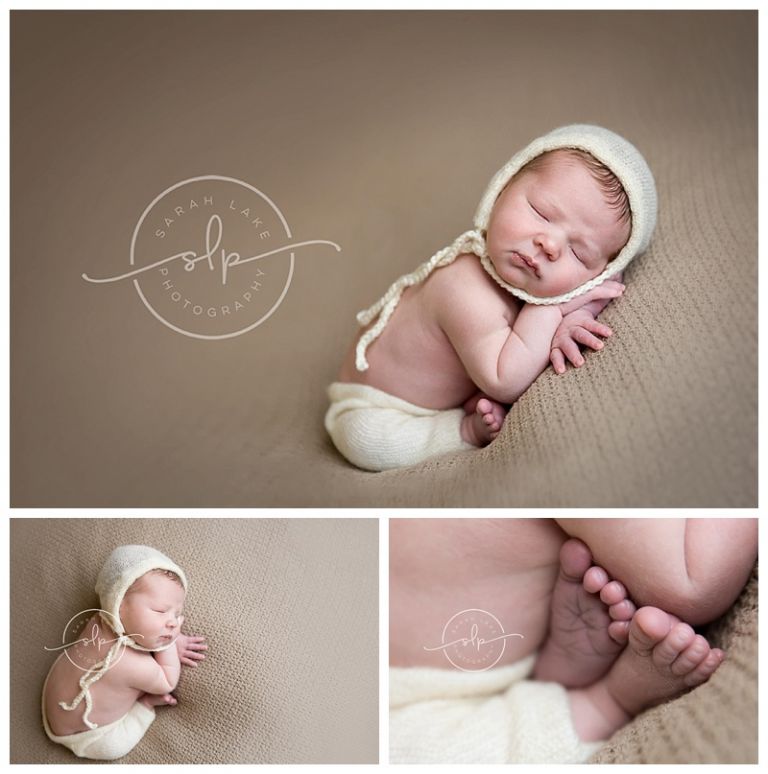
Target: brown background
378	131
289	608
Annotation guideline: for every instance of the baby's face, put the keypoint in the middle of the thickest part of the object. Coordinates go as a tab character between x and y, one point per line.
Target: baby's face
150	610
551	229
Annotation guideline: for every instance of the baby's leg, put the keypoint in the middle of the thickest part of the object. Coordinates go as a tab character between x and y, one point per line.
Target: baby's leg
589	621
378	431
153	700
483	420
663	659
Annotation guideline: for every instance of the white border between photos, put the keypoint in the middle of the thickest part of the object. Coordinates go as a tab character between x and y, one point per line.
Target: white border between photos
382	514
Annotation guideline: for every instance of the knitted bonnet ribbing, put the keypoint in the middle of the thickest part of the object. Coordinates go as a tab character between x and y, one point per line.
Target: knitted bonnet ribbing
124	566
619	155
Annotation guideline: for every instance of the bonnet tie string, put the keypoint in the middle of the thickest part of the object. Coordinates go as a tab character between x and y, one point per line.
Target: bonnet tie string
96	672
469	242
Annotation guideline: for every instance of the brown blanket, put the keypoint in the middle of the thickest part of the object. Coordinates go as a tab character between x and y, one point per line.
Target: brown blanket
379	131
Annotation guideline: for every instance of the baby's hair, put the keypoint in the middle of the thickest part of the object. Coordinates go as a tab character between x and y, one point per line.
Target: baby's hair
167	573
609	184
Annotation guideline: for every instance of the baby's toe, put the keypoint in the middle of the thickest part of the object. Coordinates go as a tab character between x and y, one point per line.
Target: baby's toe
484	406
613	593
594	579
623	611
691	656
619	631
648	628
575	558
705	669
681	636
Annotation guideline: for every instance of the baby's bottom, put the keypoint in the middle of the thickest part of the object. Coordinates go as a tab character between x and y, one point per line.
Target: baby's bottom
377	431
492	716
114	740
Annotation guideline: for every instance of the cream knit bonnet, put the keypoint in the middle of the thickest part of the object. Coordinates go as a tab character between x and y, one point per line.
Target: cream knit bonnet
124	566
619	155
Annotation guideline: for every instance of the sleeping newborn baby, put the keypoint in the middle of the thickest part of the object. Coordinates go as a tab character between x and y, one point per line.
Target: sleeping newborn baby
451	345
99	696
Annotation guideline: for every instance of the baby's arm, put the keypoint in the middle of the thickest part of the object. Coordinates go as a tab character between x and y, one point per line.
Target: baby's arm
504	361
159	674
692	568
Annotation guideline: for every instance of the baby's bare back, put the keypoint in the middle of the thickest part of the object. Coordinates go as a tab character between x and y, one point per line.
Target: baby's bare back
111	694
440	567
413	359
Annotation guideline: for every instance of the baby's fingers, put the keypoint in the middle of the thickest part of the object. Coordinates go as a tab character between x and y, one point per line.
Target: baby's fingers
598	328
190	659
608	289
557	360
584	337
572	352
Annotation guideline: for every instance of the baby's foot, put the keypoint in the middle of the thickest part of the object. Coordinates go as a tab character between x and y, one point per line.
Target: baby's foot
153	700
589	621
483	420
663	659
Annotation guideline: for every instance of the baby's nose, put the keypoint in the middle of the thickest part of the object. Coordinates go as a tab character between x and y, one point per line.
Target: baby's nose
549	246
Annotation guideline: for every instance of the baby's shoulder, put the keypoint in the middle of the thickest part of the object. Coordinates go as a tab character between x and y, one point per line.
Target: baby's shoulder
465	285
463	273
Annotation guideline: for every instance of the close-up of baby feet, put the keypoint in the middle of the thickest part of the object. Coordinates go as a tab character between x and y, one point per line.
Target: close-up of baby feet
664	657
589	621
483	420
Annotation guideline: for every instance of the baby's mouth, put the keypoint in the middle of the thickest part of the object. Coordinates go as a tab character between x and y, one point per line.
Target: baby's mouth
529	262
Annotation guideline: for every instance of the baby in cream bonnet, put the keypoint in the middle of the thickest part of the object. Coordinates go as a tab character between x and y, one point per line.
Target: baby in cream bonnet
452	344
99	696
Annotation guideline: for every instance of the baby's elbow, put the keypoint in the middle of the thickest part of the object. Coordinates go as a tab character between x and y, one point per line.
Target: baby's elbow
497	389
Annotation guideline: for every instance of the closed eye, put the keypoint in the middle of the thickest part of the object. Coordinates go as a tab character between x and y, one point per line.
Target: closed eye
577	255
538	213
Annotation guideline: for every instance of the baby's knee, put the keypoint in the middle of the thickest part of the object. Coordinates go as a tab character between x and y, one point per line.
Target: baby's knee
696	603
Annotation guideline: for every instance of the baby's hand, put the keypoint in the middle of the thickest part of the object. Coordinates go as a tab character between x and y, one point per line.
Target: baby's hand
189	647
579	327
603	292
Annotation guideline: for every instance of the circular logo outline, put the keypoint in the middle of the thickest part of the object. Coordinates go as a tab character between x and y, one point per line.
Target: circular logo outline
484	612
212	337
121	650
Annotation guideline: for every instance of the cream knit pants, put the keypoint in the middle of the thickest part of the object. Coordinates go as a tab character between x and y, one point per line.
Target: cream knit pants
377	431
105	743
496	716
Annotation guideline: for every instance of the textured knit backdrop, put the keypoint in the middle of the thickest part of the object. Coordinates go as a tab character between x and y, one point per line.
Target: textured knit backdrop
379	131
290	611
